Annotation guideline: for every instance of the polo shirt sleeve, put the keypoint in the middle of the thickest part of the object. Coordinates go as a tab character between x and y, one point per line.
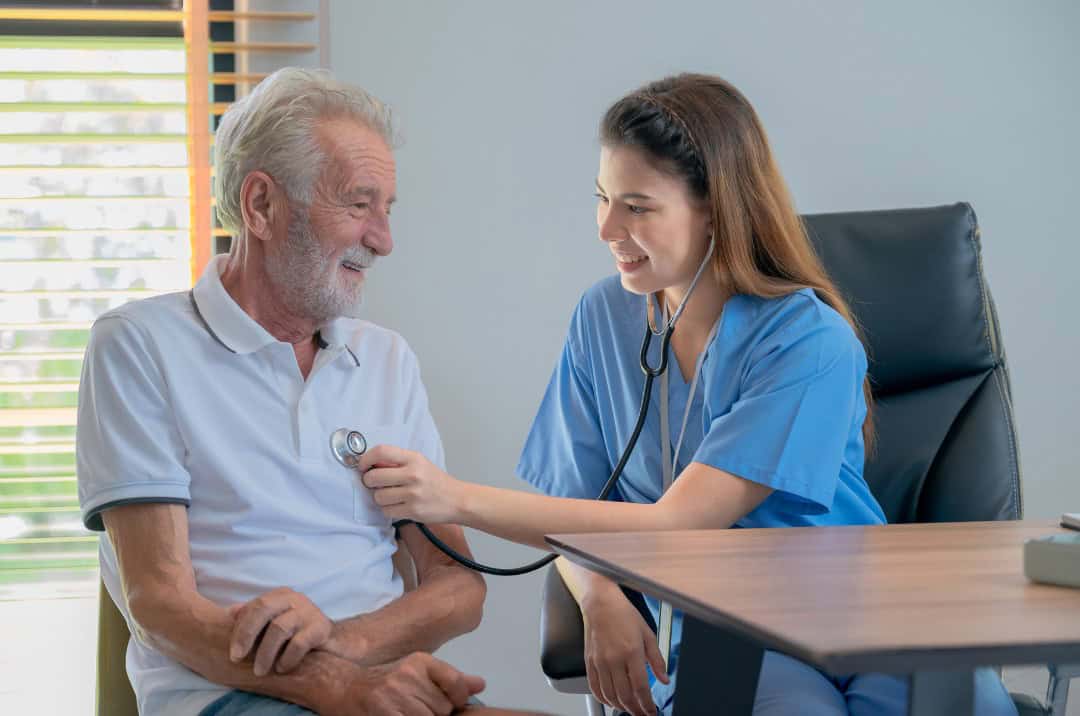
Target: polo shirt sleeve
423	435
798	405
128	448
564	454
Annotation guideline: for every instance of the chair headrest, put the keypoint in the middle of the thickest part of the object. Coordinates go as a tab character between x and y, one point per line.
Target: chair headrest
913	278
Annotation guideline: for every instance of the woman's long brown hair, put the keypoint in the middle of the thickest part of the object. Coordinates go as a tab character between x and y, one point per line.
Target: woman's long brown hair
702	129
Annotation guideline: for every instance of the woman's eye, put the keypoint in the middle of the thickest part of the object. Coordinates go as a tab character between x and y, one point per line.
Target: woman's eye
601	197
635	209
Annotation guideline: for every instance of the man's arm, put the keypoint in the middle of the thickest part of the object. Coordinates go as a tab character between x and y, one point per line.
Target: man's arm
169	614
448	601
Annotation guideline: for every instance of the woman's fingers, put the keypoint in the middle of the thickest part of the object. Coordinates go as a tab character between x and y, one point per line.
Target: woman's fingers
654	657
607	687
383	454
380	477
641	696
390	496
625	698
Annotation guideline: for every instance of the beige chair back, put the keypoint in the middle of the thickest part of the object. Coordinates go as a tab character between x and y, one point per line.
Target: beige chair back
114	694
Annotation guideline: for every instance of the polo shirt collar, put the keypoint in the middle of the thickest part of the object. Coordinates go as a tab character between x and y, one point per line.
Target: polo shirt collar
229	323
238	331
334	336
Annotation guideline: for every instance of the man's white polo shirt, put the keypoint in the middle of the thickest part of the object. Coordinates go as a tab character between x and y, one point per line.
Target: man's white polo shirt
186	399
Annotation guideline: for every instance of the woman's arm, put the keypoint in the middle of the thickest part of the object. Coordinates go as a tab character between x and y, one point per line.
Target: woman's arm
702	498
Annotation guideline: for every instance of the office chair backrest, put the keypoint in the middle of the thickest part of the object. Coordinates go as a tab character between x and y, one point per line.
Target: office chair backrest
946	447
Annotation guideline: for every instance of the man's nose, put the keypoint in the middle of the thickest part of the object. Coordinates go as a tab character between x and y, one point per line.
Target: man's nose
377	235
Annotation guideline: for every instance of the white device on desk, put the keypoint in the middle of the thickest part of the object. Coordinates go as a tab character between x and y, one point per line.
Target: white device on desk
1054	559
1071	520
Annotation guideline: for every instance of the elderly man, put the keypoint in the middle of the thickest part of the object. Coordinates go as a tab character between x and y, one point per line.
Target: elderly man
254	570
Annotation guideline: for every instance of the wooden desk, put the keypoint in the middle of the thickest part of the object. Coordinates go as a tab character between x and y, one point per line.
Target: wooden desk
932	600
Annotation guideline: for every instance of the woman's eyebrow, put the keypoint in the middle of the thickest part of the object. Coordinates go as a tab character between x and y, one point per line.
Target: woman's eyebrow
629	195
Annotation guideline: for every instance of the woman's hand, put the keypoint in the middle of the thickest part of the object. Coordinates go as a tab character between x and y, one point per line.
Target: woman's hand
406	485
618	645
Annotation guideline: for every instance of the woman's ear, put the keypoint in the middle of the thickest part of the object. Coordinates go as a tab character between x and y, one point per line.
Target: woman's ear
257	204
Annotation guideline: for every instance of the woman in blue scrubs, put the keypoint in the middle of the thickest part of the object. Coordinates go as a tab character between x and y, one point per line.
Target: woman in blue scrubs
763	416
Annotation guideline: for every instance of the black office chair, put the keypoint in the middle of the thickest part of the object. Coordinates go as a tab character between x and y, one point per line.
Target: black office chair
946	438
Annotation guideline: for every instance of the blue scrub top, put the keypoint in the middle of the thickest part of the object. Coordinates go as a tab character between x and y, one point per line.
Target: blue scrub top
780	402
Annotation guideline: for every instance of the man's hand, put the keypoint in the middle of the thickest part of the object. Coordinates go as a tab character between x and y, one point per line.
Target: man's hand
618	645
290	626
418	685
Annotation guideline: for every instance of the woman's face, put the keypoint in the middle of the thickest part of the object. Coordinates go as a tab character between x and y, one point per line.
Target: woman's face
657	231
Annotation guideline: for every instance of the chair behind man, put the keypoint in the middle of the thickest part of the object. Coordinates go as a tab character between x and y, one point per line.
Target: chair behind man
946	447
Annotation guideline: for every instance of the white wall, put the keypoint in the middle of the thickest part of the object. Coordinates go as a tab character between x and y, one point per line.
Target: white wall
868	106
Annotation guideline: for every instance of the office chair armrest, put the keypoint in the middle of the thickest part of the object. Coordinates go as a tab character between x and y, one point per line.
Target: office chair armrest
562	633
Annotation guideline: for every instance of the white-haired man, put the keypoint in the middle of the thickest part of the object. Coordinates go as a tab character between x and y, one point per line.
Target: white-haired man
254	570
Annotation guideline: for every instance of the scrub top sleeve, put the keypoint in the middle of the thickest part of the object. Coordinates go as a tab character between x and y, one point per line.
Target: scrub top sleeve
423	435
128	447
564	453
797	408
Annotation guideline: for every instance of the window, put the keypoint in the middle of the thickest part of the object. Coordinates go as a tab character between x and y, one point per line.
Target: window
93	212
106	119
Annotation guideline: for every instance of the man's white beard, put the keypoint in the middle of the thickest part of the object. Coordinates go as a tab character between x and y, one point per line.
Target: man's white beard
311	282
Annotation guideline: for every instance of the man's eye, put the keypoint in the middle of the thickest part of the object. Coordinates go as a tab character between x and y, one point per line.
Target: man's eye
363	205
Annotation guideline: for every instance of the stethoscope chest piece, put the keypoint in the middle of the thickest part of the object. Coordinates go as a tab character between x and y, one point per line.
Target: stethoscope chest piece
347	446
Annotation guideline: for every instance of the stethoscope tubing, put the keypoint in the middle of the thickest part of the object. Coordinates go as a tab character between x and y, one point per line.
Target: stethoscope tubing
646	395
651	374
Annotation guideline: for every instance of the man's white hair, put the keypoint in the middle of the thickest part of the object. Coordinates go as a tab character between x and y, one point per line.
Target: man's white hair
273	130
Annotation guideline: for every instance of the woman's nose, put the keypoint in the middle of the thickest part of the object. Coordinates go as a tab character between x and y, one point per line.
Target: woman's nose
608	225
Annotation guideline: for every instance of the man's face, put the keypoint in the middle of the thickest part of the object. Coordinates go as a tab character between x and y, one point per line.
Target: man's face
330	244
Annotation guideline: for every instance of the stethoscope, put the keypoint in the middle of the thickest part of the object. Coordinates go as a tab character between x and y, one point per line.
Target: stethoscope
348	445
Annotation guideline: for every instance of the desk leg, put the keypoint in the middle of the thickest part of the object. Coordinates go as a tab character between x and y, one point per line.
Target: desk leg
717	672
941	693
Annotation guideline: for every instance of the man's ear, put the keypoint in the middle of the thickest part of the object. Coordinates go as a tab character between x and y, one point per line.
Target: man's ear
257	195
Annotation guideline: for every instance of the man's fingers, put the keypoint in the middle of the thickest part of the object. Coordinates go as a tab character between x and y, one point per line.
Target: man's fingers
279	631
475	684
434	699
390	454
299	645
253	618
451	681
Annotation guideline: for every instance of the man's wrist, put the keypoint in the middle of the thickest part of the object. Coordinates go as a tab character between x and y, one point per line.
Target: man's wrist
348	641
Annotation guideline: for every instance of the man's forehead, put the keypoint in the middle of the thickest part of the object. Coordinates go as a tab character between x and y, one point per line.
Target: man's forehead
359	159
